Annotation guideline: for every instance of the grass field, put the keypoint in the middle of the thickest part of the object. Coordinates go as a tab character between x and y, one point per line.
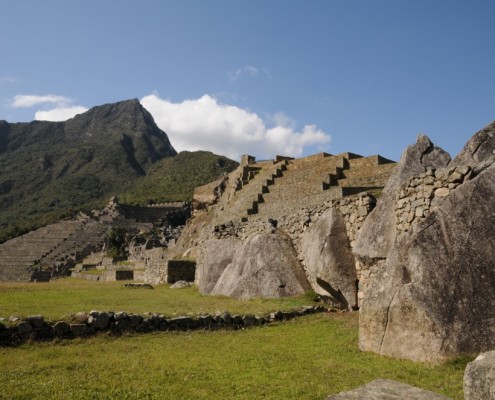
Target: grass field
58	298
306	358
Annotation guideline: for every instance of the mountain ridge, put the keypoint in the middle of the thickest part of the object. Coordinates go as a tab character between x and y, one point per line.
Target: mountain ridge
51	169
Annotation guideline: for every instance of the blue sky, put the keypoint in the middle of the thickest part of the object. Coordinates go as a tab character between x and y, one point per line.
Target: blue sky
259	77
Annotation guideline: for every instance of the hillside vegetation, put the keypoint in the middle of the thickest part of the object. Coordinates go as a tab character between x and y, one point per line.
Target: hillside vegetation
50	170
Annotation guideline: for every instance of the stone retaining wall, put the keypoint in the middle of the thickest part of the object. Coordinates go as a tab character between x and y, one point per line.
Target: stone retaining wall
354	209
36	328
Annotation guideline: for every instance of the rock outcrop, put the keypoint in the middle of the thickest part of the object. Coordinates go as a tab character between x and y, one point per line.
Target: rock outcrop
265	266
378	233
479	148
479	378
433	296
218	256
327	255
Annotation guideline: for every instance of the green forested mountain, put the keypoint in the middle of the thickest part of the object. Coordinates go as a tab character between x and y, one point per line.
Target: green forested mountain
50	170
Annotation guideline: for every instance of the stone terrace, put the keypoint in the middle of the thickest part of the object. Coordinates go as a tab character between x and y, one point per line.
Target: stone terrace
19	255
49	251
274	189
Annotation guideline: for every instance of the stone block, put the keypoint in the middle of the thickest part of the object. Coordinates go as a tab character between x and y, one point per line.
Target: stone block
385	389
36	321
78	330
61	329
122	325
442	192
479	378
24	327
455	177
99	320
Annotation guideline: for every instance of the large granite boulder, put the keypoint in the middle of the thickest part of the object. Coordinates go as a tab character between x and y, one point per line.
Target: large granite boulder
327	255
218	255
434	296
377	235
479	378
265	266
384	389
480	147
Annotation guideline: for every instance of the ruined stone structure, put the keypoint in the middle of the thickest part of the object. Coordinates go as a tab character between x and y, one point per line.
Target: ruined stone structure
277	198
50	251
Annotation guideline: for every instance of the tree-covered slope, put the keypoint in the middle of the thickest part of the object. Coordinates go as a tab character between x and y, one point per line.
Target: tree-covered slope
52	169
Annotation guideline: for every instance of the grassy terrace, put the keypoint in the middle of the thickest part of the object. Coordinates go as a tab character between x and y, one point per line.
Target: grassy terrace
306	358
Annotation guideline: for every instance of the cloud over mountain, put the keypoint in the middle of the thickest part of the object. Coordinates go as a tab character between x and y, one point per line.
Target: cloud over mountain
62	111
59	113
207	124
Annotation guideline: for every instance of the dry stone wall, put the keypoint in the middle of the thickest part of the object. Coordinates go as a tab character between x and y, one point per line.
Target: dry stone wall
36	328
421	193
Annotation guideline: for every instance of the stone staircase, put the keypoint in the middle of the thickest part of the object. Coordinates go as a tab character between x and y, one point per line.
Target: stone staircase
273	189
306	181
249	189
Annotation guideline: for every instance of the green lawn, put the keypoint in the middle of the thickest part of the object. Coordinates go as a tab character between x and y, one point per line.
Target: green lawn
60	297
306	358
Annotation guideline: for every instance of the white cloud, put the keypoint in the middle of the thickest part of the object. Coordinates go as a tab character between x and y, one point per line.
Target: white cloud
30	100
59	113
62	110
206	124
246	70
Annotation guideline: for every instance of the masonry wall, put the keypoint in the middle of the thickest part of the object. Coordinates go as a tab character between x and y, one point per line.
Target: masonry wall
420	194
354	209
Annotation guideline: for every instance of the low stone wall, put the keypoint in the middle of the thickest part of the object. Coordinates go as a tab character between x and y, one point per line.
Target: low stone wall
36	328
421	193
111	275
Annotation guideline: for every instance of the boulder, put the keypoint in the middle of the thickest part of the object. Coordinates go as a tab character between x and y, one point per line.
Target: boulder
265	266
434	296
61	329
99	320
181	285
378	232
480	147
327	255
219	253
36	321
384	389
479	378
